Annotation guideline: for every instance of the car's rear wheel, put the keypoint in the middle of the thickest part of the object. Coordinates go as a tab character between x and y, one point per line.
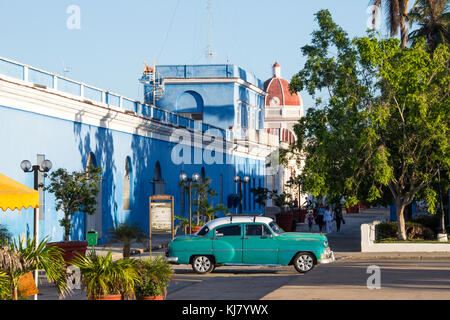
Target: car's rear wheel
202	264
304	262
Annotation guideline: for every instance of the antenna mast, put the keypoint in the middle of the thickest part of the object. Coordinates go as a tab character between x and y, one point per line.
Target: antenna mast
209	54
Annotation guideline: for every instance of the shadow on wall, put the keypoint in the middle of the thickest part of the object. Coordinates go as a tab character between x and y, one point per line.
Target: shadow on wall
102	155
143	168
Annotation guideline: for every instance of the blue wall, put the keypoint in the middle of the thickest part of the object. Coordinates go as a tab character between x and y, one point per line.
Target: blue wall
68	144
217	101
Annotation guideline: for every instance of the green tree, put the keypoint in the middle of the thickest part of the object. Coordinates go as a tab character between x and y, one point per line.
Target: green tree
383	131
433	20
74	192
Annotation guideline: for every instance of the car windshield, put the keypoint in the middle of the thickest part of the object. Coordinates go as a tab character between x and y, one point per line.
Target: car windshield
204	231
276	228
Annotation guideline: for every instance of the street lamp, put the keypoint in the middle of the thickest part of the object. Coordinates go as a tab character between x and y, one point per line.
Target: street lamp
27	167
238	180
185	178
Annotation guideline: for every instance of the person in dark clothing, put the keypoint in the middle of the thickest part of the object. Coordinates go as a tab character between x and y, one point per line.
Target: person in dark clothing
319	218
338	217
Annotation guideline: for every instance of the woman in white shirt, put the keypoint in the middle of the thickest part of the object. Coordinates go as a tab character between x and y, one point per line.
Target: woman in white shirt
328	219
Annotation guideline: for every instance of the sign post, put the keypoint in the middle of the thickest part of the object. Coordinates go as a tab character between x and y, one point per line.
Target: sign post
161	216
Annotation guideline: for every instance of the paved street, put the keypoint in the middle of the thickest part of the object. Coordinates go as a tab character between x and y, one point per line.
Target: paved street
402	277
343	280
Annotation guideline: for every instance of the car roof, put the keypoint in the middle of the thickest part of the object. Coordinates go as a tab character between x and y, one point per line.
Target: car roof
237	219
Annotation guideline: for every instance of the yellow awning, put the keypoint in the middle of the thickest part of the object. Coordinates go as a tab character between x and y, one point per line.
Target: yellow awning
14	195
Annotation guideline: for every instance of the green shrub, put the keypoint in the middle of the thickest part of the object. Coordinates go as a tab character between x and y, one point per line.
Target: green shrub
5	235
155	274
428	221
414	230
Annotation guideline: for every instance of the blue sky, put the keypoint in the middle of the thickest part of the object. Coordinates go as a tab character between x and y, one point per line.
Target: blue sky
115	37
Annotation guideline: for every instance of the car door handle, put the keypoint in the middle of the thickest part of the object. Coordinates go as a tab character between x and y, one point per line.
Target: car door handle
244	237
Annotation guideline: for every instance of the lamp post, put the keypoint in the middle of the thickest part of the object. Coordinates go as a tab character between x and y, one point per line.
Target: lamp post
185	178
27	167
238	180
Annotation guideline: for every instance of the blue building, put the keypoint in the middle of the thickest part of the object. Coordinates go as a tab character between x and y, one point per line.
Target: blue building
224	95
138	146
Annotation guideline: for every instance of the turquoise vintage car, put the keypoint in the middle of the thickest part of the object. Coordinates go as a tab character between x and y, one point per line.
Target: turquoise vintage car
248	240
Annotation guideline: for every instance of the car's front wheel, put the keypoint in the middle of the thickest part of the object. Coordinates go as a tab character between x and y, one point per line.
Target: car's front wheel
202	264
304	262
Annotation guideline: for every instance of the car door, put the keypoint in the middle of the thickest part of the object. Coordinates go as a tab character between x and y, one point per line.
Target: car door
259	245
227	244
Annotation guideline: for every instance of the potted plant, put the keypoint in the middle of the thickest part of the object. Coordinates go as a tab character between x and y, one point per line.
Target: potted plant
105	279
154	277
184	225
19	259
286	217
74	192
126	233
262	195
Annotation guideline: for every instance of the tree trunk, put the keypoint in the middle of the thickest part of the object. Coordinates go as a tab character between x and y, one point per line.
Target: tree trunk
126	250
400	207
403	24
15	293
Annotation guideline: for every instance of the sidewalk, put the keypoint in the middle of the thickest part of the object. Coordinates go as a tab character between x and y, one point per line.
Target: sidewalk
346	244
159	245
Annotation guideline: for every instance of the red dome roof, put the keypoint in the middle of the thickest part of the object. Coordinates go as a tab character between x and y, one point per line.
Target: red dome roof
278	87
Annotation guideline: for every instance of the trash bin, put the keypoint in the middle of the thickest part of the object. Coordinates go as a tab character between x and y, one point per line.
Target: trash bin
92	238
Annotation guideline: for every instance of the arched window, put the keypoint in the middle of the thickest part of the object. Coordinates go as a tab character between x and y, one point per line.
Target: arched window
91	161
190	104
157	174
94	222
127	184
158	181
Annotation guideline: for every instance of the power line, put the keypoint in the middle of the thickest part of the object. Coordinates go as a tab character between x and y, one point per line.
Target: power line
168	30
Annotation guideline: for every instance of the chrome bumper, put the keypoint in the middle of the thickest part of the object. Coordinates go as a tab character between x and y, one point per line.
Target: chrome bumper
172	259
327	258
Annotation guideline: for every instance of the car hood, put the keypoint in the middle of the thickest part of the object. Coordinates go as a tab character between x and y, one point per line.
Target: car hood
302	236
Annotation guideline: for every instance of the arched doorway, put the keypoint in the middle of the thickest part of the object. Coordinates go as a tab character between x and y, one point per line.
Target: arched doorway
94	222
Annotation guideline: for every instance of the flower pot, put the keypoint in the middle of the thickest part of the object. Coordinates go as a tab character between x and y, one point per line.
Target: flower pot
150	298
107	297
284	220
354	209
70	249
196	229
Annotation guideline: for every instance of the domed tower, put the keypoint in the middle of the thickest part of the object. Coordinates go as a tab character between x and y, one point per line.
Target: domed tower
283	109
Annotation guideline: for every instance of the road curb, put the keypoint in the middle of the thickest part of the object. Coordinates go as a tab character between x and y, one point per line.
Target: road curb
420	256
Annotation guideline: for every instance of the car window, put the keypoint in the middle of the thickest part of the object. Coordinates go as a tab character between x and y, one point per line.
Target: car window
257	230
203	231
253	230
266	231
229	231
275	227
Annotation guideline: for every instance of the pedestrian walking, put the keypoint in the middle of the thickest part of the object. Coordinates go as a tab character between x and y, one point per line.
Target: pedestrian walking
328	219
320	216
310	219
338	216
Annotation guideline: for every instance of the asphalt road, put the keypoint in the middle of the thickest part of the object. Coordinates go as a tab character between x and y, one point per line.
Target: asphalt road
342	280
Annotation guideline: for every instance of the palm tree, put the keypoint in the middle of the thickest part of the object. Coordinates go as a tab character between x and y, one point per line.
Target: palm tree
127	233
433	19
396	17
18	259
